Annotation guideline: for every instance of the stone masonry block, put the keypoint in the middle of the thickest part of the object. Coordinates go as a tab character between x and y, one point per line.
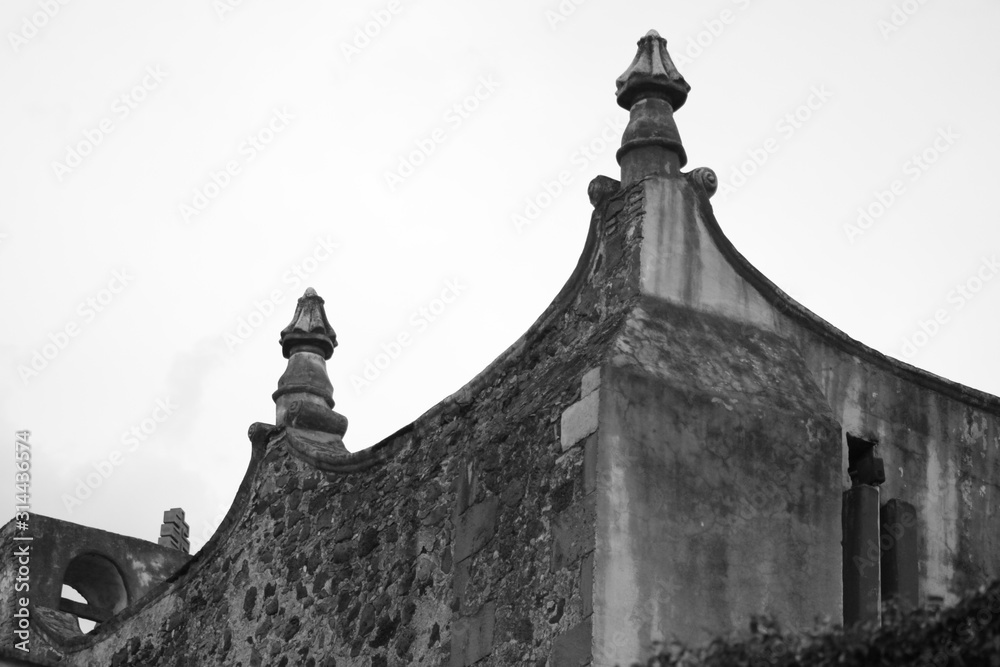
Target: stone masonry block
475	528
460	579
590	382
572	648
466	493
579	420
573	533
472	636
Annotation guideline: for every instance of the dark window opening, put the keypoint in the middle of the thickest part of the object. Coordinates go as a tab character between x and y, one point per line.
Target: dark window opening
861	540
93	590
863	466
73	595
880	541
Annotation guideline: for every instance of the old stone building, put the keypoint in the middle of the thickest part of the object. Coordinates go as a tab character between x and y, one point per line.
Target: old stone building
673	446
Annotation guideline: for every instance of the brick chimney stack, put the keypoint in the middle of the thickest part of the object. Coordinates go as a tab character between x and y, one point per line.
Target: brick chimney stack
174	531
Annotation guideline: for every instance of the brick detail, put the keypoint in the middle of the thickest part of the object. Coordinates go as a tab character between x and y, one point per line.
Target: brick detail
590	382
174	531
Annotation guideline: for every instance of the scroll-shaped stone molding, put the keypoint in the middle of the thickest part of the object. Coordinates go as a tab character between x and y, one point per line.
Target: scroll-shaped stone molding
260	433
651	89
310	417
600	188
313	447
706	178
304	397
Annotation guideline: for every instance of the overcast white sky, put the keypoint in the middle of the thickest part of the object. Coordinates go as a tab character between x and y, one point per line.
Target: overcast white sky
117	116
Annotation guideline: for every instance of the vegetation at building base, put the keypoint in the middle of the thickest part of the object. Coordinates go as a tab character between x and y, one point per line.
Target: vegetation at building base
964	635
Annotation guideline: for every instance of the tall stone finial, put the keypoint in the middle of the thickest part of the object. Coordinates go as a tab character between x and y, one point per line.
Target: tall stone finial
304	398
651	89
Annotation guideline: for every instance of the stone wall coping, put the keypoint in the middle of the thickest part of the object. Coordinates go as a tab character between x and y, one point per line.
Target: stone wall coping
830	334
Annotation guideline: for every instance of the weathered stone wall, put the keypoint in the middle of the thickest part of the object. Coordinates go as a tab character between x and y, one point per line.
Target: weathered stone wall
466	537
940	440
722	446
719	485
941	449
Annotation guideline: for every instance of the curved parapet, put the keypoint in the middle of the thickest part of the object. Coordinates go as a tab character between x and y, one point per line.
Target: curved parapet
383	540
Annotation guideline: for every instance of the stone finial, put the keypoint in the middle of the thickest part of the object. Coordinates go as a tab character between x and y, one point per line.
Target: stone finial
651	89
309	327
652	74
304	397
